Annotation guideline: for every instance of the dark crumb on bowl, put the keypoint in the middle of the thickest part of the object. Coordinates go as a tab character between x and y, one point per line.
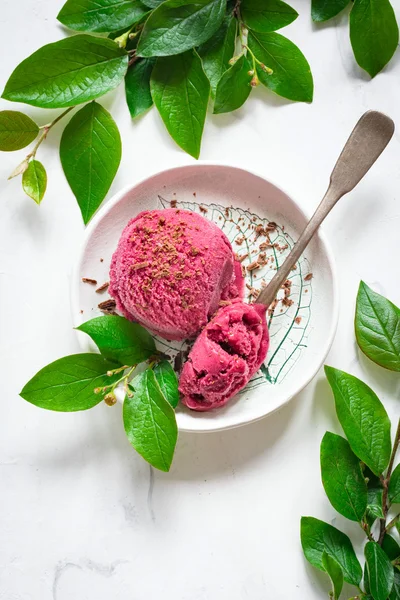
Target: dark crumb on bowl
297	320
102	259
103	287
89	280
173	203
108	306
194	194
81	311
203	209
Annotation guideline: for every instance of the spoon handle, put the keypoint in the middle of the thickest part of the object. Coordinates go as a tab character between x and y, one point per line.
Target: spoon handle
367	141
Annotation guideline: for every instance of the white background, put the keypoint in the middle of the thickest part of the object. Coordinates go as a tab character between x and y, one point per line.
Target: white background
82	517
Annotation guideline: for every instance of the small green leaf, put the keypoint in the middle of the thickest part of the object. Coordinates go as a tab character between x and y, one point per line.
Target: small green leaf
149	422
342	478
179	25
335	573
391	547
68	384
234	87
120	340
323	10
180	90
101	15
137	86
318	537
218	50
16	130
363	418
380	571
267	16
394	486
68	72
90	153
291	77
377	326
395	593
168	382
374	493
34	181
374	34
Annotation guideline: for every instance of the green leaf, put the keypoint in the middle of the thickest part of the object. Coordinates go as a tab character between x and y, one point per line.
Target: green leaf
291	77
391	547
68	384
363	418
374	34
34	181
267	16
90	153
395	593
168	382
152	3
16	130
120	340
342	477
234	87
323	10
68	72
178	25
377	326
335	573
137	86
394	486
380	571
180	91
149	422
374	493
101	15
218	50
318	537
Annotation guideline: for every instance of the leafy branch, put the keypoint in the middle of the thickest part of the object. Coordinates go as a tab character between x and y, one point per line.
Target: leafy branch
358	474
81	381
374	33
173	54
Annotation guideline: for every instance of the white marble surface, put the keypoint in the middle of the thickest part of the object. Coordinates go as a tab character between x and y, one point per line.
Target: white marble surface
82	517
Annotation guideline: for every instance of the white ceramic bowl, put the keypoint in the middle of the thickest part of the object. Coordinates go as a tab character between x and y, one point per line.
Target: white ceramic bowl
301	334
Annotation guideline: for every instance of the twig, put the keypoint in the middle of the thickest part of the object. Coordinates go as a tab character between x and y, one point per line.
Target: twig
393	522
365	527
385	482
46	129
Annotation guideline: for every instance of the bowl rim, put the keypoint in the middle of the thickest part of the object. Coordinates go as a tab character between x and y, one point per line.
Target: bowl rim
117	197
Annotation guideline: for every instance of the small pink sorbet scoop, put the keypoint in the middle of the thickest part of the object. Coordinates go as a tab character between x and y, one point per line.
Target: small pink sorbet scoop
227	353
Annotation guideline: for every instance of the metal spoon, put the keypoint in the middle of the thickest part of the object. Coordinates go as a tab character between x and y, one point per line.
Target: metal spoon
367	141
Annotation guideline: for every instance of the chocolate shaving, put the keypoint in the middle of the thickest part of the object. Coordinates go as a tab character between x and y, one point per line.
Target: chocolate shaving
108	306
203	209
253	266
88	280
271	226
241	258
173	203
103	287
138	266
308	277
297	320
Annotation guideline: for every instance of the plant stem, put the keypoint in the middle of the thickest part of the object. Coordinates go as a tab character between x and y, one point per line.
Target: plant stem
393	522
385	482
46	129
365	527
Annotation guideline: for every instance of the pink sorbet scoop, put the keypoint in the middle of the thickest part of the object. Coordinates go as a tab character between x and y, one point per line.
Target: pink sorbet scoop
225	356
170	271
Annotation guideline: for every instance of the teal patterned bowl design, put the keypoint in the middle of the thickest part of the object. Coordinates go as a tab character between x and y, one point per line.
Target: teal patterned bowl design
288	325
